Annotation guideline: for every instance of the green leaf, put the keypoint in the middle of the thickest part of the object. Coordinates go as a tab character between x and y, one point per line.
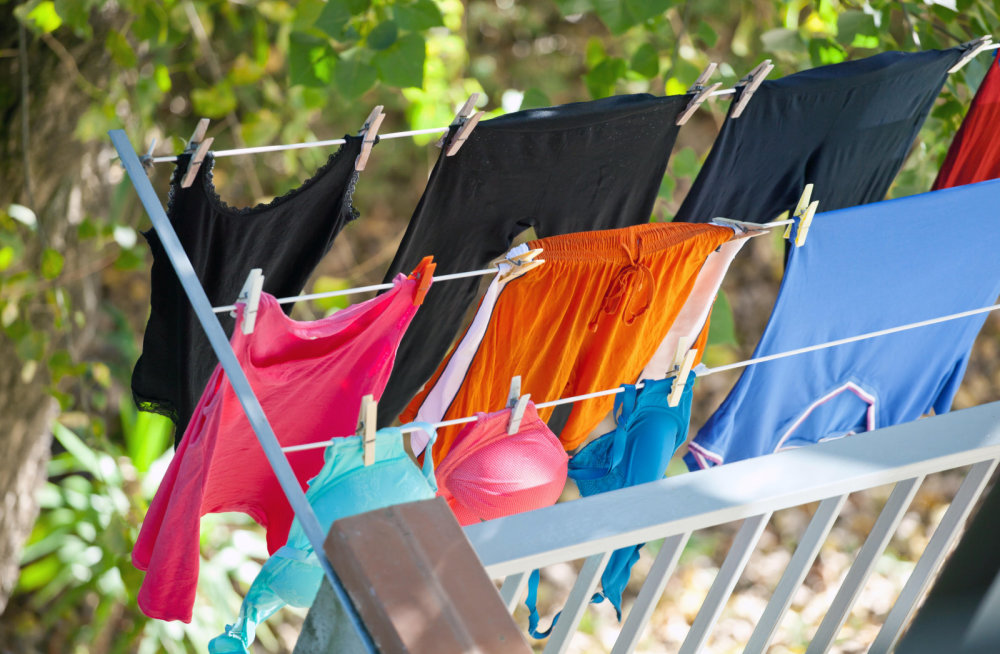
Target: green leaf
6	257
851	24
260	127
781	39
706	34
826	51
418	16
571	7
353	77
615	14
357	6
601	79
162	77
646	61
402	64
81	453
384	35
685	163
45	17
535	99
642	10
333	19
308	60
214	102
722	327
149	439
121	52
327	284
52	263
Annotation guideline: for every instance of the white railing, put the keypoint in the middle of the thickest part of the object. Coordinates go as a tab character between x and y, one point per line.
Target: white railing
671	509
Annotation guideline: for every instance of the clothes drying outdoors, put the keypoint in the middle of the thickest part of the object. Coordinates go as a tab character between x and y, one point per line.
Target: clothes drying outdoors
637	451
310	378
570	168
974	155
865	269
846	128
343	487
489	473
588	318
286	238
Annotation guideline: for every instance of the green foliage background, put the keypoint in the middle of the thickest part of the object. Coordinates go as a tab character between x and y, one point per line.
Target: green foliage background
269	71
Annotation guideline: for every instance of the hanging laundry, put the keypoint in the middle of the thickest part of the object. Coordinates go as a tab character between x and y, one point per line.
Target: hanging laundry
286	237
343	487
865	269
310	378
846	128
570	168
974	155
489	473
638	451
590	317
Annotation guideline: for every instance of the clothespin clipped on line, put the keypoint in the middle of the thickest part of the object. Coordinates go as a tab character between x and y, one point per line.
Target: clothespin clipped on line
465	121
369	131
199	145
517	403
520	264
681	369
424	274
750	83
366	427
797	231
249	297
975	47
701	93
147	159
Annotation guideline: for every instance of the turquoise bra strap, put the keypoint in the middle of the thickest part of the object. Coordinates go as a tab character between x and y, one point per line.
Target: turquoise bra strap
428	467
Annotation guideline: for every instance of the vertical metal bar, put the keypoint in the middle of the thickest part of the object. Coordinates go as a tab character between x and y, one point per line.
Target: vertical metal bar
808	547
656	581
512	589
743	546
241	386
933	555
863	565
579	597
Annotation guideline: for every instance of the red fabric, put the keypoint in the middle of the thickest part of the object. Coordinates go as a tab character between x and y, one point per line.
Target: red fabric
310	378
974	155
490	474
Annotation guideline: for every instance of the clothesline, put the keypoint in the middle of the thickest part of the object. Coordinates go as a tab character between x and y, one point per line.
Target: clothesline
703	371
461	275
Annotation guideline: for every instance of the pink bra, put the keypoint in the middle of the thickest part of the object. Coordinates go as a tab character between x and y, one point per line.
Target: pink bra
489	474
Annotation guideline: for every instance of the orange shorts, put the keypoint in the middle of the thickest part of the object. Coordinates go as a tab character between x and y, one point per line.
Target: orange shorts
589	319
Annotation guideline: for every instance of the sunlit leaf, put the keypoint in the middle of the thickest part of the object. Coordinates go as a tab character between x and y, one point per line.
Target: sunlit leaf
402	64
215	101
327	284
80	451
6	257
45	17
855	23
304	56
52	263
23	215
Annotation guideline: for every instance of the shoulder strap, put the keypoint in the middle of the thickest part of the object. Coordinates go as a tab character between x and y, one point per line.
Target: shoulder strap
624	406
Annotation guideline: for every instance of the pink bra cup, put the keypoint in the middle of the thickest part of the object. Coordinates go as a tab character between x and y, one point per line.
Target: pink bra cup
490	474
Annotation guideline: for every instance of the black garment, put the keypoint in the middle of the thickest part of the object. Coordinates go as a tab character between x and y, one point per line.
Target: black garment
846	128
286	238
576	167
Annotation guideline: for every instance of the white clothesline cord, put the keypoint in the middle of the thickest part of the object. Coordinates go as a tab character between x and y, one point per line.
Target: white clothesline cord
704	371
366	289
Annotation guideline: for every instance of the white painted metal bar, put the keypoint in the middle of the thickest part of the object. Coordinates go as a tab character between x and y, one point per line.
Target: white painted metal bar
639	514
933	555
743	546
795	573
888	520
577	603
237	379
512	589
652	588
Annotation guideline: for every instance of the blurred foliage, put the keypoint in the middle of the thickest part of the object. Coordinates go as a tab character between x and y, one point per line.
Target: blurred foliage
270	71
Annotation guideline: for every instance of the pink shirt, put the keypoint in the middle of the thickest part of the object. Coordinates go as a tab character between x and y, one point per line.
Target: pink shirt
310	378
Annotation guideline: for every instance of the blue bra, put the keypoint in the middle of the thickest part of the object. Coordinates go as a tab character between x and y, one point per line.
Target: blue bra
638	451
343	487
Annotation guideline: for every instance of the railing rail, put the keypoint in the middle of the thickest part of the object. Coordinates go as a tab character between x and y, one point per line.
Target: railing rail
751	491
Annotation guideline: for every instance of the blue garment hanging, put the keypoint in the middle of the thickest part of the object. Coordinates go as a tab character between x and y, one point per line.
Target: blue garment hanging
865	269
343	487
638	451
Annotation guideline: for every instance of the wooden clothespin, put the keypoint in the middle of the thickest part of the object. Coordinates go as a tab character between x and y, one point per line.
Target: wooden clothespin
803	215
465	121
750	84
520	264
369	131
249	297
517	404
974	48
366	427
701	93
424	274
681	370
147	159
199	145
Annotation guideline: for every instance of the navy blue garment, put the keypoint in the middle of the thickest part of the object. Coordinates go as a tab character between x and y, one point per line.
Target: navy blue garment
862	270
638	451
846	128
